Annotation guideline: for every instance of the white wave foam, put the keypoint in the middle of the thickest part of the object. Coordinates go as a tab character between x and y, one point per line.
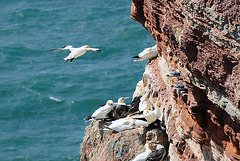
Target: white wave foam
55	99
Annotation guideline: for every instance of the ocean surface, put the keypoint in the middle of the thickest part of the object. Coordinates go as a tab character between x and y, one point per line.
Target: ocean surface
43	99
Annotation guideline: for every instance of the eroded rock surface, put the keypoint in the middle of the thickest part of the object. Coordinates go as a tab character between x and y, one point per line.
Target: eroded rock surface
202	40
106	145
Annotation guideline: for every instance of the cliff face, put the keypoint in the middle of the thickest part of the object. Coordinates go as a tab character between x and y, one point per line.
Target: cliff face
202	40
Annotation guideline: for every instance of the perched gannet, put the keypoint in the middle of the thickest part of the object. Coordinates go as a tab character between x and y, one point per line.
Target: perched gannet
158	155
102	112
147	53
140	123
152	116
121	101
127	123
76	52
143	156
144	104
174	74
122	124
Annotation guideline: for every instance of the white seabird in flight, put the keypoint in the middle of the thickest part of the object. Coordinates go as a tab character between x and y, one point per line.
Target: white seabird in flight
147	53
102	112
76	52
143	156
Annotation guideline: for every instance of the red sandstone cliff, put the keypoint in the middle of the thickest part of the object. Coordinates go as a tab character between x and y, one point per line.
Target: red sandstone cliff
202	40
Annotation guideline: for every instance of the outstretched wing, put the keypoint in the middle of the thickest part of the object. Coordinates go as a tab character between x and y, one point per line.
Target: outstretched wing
94	49
55	49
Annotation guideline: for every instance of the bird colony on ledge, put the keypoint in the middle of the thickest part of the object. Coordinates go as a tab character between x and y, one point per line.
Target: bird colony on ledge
118	116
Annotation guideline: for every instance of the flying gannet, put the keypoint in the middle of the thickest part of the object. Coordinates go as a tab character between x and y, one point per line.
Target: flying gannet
102	112
76	52
147	53
143	156
158	155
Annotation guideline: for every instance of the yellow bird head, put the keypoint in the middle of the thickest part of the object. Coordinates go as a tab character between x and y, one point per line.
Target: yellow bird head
144	98
147	146
158	104
121	99
109	102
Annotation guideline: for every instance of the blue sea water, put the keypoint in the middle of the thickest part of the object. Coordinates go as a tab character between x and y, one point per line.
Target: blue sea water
43	99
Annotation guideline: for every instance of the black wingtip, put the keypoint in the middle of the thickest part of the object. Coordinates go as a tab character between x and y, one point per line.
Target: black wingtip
100	105
135	56
100	51
52	50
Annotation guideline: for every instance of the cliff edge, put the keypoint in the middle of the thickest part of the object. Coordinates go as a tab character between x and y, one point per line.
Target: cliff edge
202	40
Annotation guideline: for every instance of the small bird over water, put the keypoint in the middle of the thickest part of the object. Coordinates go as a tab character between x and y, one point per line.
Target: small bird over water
76	52
147	53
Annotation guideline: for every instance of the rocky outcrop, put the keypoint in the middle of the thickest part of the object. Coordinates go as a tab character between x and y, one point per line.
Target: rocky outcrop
106	145
202	40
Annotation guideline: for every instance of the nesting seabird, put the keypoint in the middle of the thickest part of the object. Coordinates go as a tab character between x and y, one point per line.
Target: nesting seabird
143	156
126	123
144	104
76	52
121	124
102	112
121	101
174	74
120	108
140	123
152	116
158	155
147	53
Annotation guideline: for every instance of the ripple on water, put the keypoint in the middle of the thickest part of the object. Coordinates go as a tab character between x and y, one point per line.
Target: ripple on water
45	99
